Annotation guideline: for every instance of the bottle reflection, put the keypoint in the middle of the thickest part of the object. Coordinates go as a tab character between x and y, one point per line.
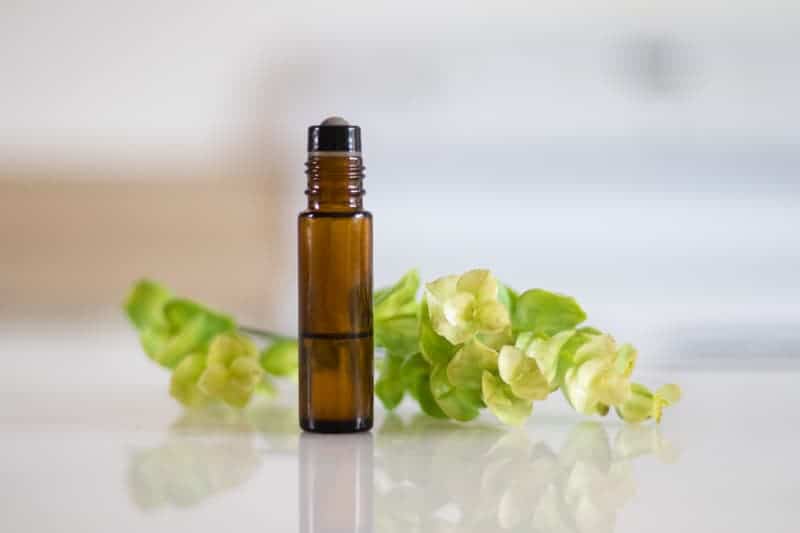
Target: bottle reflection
336	483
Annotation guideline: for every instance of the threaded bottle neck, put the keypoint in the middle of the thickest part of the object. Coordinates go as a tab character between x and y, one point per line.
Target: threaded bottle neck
335	181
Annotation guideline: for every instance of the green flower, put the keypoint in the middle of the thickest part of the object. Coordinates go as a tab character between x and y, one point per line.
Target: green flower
232	369
184	383
390	387
642	404
545	351
522	374
462	306
592	382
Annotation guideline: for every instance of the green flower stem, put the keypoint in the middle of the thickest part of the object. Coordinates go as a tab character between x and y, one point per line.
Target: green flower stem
264	334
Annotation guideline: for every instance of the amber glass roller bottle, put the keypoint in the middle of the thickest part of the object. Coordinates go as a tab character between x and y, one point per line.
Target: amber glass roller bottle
335	285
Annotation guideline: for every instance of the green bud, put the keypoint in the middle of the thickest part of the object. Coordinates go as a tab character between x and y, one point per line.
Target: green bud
184	382
642	404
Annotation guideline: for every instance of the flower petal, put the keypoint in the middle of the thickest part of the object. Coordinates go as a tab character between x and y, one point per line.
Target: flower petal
467	366
501	401
546	352
492	317
480	283
522	374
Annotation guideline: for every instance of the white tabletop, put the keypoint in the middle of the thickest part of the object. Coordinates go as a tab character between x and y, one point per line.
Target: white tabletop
81	456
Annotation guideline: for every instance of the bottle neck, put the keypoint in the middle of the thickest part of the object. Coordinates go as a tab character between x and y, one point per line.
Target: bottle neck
335	181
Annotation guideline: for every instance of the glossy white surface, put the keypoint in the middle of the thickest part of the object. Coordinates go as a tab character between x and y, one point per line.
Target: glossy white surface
91	457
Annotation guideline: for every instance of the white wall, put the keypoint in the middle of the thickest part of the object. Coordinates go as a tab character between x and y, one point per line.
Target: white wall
642	158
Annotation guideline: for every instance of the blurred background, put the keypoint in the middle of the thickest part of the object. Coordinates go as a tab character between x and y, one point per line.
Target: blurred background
642	157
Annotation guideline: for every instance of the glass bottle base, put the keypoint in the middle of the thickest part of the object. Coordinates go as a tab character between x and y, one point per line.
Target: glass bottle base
356	425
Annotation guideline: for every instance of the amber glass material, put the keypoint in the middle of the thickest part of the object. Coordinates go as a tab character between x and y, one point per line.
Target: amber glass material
335	297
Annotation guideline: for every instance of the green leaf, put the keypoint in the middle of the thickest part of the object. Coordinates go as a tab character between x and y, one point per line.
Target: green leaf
508	297
280	358
180	312
153	340
546	313
399	299
390	387
466	368
413	369
194	336
460	404
501	401
399	335
144	304
436	349
416	375
190	329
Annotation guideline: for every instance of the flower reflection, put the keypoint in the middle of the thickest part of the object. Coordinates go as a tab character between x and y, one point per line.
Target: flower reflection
420	474
430	477
209	450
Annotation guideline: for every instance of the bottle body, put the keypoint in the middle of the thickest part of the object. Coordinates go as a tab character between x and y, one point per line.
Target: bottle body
335	287
335	302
